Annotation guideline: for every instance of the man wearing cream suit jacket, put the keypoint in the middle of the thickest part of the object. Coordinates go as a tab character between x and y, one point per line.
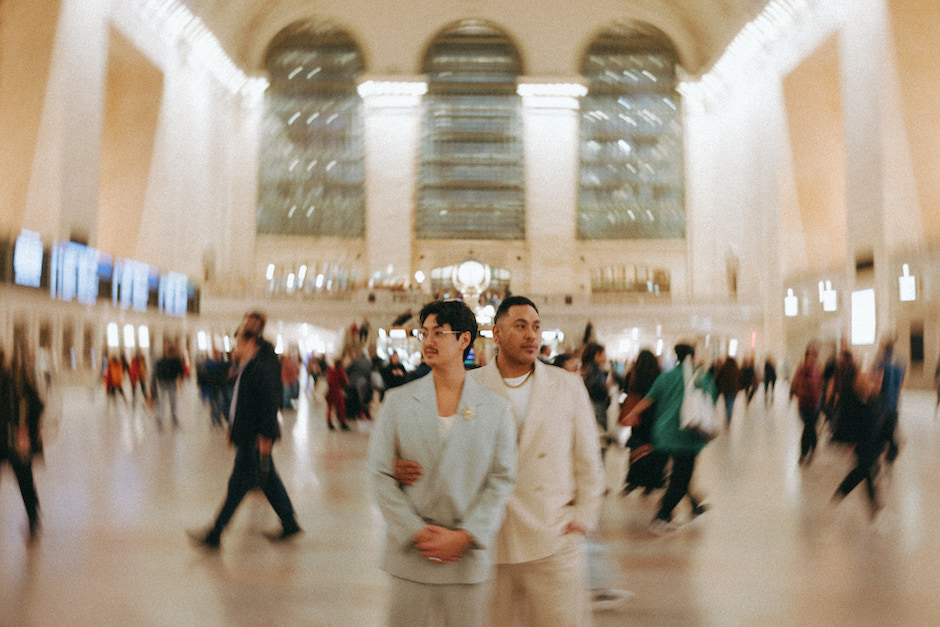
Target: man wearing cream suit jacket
440	531
559	483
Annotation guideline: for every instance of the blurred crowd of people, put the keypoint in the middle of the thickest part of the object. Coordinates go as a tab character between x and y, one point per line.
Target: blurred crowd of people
856	404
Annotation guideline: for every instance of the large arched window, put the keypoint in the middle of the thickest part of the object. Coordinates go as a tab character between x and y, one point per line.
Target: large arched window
312	174
470	175
631	174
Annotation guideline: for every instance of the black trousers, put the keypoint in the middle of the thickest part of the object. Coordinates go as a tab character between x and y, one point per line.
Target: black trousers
867	454
809	438
683	465
23	470
245	476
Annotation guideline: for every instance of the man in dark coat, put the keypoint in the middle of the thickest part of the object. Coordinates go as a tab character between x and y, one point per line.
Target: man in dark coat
254	429
20	411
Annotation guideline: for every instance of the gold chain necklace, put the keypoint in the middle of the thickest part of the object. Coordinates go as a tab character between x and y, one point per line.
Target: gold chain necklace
519	385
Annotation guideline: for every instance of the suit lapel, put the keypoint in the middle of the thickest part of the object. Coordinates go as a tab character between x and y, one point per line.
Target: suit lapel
464	426
535	414
426	422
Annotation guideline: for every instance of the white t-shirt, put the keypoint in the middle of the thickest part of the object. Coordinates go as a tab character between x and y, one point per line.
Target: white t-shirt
519	397
447	424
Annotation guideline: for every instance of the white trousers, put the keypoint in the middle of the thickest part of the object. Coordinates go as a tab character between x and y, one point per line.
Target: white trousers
549	592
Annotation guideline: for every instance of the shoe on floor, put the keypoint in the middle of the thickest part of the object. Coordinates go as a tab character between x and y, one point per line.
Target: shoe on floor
661	527
284	534
606	599
204	539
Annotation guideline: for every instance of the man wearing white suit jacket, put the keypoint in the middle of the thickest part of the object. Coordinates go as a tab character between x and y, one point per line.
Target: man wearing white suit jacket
560	482
440	531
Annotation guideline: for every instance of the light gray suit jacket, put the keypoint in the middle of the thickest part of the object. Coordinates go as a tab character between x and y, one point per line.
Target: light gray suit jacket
465	482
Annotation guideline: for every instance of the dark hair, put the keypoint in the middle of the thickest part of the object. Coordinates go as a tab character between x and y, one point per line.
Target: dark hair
645	371
456	314
590	351
561	359
684	350
512	301
261	320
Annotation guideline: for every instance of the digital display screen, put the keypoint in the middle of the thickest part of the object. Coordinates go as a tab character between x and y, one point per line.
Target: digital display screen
74	272
174	293
131	284
27	259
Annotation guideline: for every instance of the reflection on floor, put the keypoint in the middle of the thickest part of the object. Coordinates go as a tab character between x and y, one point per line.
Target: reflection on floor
117	496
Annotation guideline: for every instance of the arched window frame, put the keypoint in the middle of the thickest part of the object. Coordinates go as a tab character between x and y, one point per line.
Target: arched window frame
312	172
470	170
631	173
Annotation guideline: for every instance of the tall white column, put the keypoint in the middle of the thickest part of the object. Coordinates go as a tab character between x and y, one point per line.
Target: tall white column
392	131
550	137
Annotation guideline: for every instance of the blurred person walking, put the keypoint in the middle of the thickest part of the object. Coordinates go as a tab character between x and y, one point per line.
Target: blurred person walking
859	407
807	388
290	379
138	375
936	382
593	360
892	379
845	400
770	380
169	376
393	374
749	379
114	379
254	430
336	382
647	464
728	381
217	370
682	445
20	440
359	391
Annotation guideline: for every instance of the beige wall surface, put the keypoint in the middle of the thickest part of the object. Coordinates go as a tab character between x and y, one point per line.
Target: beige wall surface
916	30
27	31
134	91
814	116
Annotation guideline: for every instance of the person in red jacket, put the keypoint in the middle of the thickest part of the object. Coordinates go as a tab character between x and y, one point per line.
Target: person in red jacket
336	382
807	388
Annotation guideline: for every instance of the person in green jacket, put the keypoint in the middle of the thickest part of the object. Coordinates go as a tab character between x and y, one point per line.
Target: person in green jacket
683	446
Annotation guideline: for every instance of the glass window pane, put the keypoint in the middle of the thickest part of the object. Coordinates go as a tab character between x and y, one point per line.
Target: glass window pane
631	174
312	178
470	176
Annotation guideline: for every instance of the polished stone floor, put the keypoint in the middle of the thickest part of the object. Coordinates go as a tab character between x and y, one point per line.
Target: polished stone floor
117	496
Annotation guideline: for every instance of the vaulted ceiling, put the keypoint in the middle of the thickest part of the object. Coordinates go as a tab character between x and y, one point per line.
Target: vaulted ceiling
552	33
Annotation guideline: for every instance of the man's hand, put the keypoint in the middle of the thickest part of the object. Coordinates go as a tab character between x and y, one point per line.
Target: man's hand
264	446
406	472
22	442
574	527
442	545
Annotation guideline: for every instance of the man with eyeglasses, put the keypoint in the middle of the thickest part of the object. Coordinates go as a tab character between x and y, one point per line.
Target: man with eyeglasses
253	416
440	530
560	482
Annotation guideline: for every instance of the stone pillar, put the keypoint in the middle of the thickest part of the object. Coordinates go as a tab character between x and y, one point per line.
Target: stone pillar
550	138
392	127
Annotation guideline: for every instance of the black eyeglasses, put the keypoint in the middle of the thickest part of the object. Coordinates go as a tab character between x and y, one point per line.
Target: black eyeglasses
436	334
